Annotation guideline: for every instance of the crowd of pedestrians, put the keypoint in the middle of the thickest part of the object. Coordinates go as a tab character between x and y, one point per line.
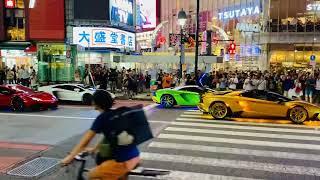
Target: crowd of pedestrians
125	80
292	84
19	75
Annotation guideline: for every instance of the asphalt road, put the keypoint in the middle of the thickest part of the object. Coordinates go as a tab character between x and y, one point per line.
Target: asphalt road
191	145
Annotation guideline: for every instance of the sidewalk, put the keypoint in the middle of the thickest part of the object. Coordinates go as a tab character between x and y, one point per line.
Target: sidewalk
14	154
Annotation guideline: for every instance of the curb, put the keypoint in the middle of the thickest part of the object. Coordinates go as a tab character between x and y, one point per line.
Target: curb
138	99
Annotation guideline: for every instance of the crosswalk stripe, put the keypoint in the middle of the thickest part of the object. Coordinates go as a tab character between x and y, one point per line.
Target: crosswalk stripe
192	110
201	119
235	151
196	116
279	168
247	134
238	126
240	141
182	175
193	113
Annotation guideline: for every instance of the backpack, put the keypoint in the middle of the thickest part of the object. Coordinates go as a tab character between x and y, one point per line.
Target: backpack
129	122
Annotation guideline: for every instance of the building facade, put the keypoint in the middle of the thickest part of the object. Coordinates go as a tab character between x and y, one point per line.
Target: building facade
267	33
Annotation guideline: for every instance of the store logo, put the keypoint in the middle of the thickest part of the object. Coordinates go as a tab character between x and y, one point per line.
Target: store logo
245	27
240	12
10	4
313	7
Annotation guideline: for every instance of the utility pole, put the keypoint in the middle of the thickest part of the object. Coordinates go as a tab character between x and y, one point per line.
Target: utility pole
197	41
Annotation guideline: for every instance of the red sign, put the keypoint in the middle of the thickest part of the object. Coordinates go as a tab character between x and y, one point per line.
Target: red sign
47	24
232	48
10	4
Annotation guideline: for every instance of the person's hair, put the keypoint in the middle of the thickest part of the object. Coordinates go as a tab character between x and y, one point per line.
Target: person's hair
102	99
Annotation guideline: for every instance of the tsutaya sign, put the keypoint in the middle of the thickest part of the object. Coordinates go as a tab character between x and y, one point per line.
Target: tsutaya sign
313	7
239	12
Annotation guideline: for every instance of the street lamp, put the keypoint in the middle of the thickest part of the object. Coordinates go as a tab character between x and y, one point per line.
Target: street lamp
182	19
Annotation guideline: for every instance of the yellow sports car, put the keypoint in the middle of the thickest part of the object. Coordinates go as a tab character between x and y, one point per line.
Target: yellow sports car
257	103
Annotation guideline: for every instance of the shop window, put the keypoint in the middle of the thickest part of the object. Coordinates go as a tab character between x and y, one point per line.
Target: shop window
15	22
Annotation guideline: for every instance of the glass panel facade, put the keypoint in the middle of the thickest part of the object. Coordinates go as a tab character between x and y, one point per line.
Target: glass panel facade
281	32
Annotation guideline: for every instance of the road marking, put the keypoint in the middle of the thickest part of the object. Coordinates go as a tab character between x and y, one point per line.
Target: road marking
193	113
248	134
149	107
181	175
236	151
240	141
193	110
45	116
237	126
213	121
248	165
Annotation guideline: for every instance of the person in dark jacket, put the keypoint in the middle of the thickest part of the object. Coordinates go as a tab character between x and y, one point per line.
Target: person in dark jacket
288	84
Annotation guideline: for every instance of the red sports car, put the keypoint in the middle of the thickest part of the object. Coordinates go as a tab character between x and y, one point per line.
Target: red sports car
20	98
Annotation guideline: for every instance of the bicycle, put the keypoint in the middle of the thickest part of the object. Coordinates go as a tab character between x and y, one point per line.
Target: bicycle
138	171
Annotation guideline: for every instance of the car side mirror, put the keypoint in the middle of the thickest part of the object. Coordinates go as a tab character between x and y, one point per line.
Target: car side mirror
77	90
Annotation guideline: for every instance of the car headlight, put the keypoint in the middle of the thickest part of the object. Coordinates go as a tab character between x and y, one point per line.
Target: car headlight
35	99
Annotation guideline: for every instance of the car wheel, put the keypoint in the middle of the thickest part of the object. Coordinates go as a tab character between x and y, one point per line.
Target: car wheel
167	101
219	110
298	114
87	99
17	104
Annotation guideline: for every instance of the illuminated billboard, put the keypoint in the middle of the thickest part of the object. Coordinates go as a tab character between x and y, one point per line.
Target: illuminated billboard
146	13
121	11
103	38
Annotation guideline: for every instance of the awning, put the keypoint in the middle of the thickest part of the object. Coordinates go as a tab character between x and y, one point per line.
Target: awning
31	49
15	45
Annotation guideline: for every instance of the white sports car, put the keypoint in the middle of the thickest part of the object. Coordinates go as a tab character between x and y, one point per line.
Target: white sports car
71	92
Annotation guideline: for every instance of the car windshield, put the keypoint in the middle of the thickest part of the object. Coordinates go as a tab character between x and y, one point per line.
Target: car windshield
22	89
84	86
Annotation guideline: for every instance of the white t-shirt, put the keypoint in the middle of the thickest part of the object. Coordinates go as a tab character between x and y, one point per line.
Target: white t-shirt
233	83
262	85
248	86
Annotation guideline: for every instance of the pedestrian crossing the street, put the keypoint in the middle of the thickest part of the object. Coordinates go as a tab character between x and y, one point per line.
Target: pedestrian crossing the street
195	146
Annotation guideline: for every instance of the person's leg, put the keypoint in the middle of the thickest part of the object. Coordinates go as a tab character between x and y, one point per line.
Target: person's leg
306	97
311	96
109	170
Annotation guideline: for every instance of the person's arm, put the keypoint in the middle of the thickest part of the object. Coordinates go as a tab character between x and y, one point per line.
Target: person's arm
85	140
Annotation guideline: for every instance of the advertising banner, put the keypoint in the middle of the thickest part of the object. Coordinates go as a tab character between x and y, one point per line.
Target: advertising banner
121	11
46	20
146	13
103	38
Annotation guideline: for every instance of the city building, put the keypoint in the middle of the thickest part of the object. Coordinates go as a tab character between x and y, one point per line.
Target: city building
267	33
24	24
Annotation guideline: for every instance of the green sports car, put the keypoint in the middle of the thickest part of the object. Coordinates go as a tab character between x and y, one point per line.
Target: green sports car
182	96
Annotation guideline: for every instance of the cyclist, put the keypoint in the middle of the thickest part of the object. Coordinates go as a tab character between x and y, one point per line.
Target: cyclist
124	158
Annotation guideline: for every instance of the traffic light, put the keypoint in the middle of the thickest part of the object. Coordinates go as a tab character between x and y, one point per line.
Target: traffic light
232	48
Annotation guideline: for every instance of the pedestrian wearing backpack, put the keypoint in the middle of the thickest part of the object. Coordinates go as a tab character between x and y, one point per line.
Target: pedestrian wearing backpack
124	157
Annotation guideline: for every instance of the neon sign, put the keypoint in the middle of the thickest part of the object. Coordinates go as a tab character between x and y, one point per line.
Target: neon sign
239	12
313	7
10	4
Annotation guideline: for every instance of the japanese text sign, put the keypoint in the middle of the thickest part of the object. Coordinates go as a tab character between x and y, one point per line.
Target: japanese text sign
103	38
